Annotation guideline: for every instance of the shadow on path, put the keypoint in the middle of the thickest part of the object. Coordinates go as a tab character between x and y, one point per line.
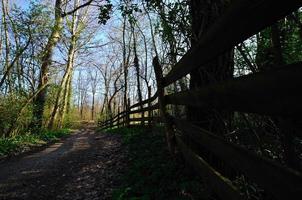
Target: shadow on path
83	166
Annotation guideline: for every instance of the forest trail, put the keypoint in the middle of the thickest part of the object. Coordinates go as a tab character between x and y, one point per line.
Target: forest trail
85	165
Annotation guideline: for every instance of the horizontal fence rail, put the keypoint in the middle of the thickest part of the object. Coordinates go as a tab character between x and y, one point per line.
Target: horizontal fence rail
286	182
275	93
221	185
243	19
270	93
145	101
123	117
153	107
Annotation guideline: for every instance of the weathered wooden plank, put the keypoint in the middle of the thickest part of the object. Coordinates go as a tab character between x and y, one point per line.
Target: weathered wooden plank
110	122
153	107
220	185
145	101
115	118
149	105
104	124
143	119
243	19
121	115
105	127
282	182
269	93
127	115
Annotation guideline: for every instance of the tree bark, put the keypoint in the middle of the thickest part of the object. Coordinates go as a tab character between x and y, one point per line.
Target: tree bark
6	41
66	101
136	65
243	53
53	39
125	65
69	69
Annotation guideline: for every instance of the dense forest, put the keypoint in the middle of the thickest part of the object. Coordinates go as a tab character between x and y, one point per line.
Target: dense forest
63	62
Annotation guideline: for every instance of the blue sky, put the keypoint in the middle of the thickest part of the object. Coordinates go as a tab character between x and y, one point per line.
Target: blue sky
21	3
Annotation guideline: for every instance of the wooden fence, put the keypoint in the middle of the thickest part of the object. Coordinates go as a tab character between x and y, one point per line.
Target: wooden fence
127	117
274	93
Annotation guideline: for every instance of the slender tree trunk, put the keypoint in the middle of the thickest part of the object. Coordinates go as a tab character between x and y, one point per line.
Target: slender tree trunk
146	56
92	106
6	41
136	65
53	39
103	106
12	63
125	65
94	79
60	101
126	58
251	66
66	101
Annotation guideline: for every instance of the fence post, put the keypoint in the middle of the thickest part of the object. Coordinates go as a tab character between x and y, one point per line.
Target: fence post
142	116
170	136
128	113
124	116
118	116
111	120
149	105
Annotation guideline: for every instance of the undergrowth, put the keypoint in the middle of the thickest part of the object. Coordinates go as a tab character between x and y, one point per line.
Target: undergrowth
152	172
20	143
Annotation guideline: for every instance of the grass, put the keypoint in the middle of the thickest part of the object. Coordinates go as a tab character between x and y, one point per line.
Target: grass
152	172
20	143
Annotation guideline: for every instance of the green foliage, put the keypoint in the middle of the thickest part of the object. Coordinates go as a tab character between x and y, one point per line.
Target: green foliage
175	21
10	107
50	135
152	173
127	133
30	24
105	11
128	10
72	119
33	23
20	143
291	44
52	90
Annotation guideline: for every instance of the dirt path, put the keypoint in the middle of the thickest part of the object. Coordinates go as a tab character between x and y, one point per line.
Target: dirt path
83	166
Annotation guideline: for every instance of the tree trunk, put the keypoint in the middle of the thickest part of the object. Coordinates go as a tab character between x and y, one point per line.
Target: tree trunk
53	39
69	69
251	66
59	99
7	41
92	106
125	65
66	101
136	65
